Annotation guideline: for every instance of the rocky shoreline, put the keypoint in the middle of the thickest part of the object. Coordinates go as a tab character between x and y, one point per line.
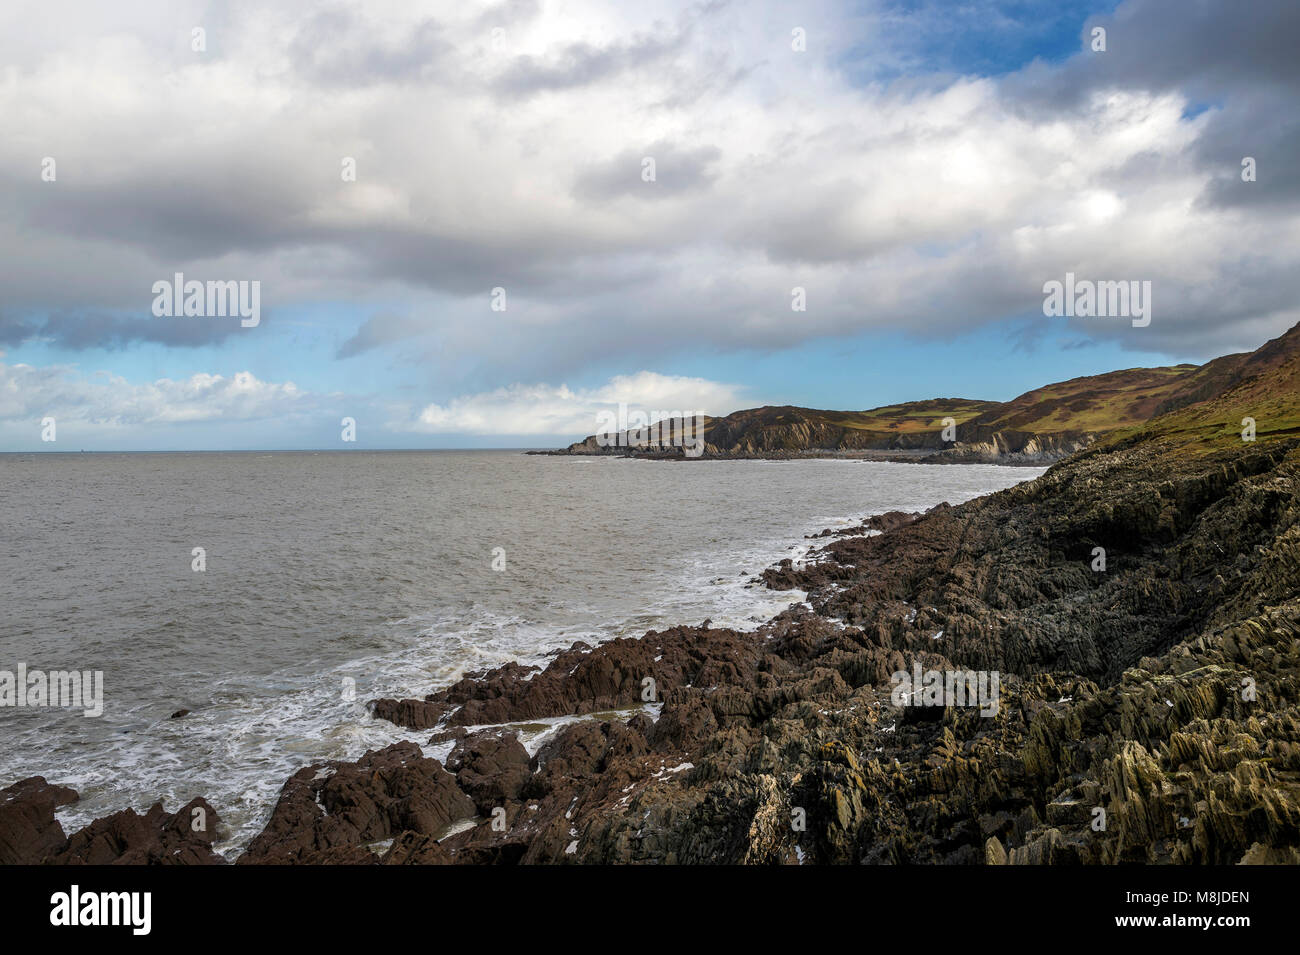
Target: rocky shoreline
1148	712
964	454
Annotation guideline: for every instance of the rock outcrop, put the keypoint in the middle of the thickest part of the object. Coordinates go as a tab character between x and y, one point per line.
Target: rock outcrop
335	812
31	835
155	838
29	832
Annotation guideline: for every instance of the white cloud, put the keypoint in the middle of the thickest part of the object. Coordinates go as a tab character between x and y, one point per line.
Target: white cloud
28	393
930	206
559	410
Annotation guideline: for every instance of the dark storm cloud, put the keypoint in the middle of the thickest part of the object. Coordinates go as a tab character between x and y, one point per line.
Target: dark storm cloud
1204	50
210	212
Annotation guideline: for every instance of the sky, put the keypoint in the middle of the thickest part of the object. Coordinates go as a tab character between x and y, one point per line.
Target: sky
482	224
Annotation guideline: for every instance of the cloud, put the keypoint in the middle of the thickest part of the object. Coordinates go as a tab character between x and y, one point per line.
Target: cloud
558	410
1236	61
89	329
1201	50
582	64
65	393
379	330
682	171
903	188
336	47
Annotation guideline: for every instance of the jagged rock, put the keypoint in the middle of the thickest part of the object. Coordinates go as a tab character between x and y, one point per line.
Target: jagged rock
331	812
29	832
412	848
155	838
994	854
491	768
579	680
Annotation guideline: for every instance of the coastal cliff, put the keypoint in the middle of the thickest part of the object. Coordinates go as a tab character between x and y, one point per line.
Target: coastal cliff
1038	428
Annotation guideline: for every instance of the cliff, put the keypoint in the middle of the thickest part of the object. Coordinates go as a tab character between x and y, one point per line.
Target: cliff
1039	427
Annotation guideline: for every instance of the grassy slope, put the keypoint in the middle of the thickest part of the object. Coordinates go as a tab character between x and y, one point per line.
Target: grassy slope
1092	404
907	418
1263	385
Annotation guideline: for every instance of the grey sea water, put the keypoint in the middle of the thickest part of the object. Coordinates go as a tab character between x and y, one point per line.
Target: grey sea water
372	567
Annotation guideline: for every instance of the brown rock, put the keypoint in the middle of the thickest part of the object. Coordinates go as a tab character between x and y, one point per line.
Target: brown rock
29	832
329	811
156	838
